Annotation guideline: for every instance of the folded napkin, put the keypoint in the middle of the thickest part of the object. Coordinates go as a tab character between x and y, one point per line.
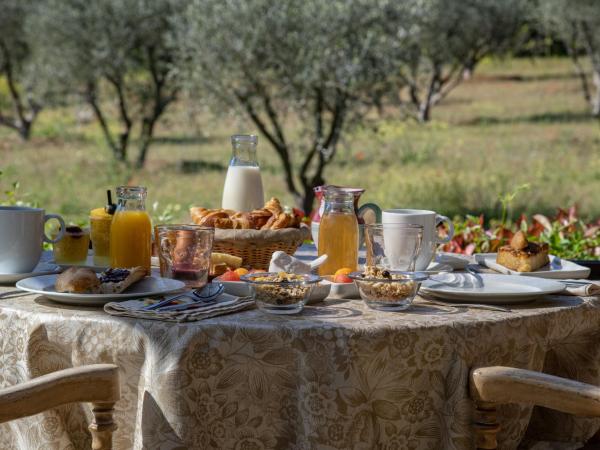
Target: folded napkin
583	290
225	304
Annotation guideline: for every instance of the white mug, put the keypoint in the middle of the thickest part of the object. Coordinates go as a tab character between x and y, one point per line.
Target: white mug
21	237
429	220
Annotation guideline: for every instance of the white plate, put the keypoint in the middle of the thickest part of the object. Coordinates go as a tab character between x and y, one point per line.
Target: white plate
496	289
148	287
43	268
241	289
559	269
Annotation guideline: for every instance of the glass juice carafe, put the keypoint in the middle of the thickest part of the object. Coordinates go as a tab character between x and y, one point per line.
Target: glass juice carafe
243	190
131	230
338	232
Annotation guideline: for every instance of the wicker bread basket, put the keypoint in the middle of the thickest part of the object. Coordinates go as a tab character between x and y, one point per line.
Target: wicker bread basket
256	247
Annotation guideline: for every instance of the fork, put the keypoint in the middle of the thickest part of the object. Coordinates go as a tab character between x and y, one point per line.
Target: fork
433	301
204	294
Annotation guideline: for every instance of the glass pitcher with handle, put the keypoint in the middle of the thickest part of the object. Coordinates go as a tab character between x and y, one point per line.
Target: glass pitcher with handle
367	213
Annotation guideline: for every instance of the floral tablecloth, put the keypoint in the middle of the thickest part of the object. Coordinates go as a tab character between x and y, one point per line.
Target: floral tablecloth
339	376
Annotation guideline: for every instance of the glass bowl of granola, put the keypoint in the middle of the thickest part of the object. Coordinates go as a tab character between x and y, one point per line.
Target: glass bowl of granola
387	290
280	292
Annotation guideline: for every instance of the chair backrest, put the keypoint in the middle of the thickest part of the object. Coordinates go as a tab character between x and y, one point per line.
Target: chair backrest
97	384
490	386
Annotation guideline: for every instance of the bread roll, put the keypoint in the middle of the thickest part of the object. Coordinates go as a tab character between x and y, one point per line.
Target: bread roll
77	280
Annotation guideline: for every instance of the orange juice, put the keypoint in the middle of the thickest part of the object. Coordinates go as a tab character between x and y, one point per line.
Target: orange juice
338	238
130	239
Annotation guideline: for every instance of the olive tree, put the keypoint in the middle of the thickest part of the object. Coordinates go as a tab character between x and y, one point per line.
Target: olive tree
14	64
114	54
282	63
442	40
577	23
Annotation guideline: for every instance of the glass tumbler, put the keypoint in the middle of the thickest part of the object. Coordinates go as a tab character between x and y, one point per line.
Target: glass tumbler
393	246
184	253
72	249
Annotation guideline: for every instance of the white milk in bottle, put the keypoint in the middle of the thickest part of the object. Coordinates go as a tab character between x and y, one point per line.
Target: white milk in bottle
243	190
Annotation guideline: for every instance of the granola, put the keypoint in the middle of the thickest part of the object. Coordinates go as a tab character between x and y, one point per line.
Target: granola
288	289
393	287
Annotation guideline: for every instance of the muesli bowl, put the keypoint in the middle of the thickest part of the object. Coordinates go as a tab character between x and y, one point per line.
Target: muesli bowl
280	293
387	290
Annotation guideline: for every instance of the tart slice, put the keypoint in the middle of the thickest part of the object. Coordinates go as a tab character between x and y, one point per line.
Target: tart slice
115	281
522	255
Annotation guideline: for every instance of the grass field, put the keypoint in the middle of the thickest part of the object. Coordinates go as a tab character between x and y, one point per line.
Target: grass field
514	122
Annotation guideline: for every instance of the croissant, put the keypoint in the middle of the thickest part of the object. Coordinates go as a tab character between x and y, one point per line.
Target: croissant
209	219
273	206
282	221
270	217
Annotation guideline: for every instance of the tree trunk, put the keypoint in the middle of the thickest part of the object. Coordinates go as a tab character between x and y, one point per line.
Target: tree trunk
308	200
146	138
25	129
425	111
596	98
23	120
117	149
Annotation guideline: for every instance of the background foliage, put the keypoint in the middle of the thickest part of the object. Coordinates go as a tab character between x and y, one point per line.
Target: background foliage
422	101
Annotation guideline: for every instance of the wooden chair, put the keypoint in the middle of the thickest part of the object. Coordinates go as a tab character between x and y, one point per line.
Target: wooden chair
97	384
490	386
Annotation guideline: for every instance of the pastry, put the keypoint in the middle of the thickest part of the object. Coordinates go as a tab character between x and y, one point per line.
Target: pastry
115	281
270	217
221	262
77	280
522	255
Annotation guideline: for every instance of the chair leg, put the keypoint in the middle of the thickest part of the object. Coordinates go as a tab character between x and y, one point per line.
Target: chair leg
102	426
486	426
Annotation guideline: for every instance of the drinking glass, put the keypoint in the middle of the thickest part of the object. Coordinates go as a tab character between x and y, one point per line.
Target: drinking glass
393	246
73	248
184	253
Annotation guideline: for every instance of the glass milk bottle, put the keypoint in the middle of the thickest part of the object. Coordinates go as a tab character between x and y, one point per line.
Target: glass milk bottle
243	190
338	232
131	230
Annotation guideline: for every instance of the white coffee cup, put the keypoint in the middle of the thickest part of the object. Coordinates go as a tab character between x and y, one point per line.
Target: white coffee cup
429	220
21	237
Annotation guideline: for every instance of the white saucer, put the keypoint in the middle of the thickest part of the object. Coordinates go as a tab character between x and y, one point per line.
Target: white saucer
89	264
148	287
241	289
43	268
495	289
559	269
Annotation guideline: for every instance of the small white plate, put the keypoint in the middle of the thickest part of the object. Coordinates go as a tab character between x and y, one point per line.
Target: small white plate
496	289
344	290
43	268
456	260
89	264
148	287
559	269
436	267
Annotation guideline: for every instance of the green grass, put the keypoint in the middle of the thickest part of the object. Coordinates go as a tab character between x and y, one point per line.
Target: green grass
515	122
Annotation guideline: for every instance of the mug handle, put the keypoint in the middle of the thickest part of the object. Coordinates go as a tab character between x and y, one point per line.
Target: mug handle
438	221
61	232
370	207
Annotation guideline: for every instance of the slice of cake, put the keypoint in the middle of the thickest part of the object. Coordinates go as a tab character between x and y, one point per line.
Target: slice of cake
522	255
